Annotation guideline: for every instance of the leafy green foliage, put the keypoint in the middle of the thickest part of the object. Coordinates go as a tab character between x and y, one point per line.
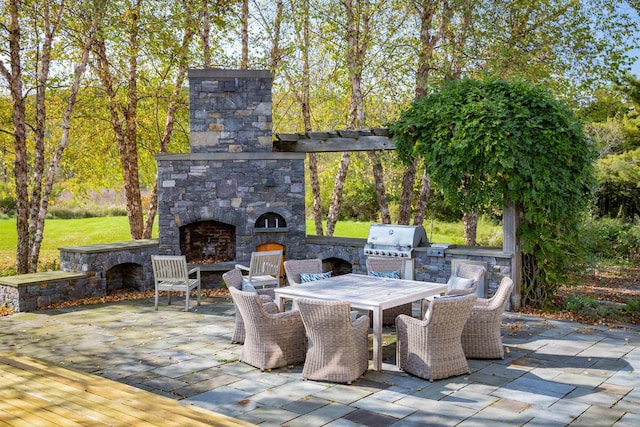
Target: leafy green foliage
487	141
610	239
618	192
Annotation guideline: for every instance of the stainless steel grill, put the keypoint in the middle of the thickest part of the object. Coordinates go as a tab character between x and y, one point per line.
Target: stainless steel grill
387	240
397	241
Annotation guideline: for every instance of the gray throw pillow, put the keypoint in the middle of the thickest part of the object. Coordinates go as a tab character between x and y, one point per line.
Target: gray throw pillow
456	282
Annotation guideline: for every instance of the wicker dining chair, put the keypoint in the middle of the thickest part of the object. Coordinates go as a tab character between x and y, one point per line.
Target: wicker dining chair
389	265
481	336
271	340
338	349
432	348
461	271
233	279
293	268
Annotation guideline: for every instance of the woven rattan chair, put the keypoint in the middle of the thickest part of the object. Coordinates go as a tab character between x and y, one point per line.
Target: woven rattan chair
431	348
468	271
338	350
271	340
386	265
481	336
293	268
233	279
172	274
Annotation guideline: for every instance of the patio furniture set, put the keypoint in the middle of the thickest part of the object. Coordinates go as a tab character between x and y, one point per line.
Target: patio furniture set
328	325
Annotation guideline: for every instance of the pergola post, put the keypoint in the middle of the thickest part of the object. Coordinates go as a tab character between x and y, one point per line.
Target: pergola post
510	245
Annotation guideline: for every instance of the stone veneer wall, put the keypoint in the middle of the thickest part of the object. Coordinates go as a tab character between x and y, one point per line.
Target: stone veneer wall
31	292
232	174
230	111
234	189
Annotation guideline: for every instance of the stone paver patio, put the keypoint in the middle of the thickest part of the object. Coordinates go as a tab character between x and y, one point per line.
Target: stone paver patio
555	373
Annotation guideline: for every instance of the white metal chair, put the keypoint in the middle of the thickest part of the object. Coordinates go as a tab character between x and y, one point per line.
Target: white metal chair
172	274
264	269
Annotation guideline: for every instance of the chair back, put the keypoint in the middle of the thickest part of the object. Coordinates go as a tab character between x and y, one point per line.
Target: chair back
170	268
233	278
249	306
500	299
293	268
449	314
265	263
329	319
475	270
386	265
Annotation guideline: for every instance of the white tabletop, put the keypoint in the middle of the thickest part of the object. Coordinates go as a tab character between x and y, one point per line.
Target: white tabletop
364	292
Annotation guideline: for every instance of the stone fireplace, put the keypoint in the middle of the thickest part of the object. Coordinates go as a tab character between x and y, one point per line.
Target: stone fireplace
232	193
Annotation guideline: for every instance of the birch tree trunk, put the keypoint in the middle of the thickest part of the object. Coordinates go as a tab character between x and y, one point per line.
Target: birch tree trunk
32	194
306	116
244	22
378	177
357	27
125	134
406	193
52	170
423	199
187	37
426	11
14	77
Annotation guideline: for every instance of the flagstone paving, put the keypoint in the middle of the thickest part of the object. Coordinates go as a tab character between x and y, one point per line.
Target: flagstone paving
555	373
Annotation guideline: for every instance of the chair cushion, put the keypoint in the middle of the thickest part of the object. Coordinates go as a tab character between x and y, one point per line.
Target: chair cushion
311	277
456	282
248	287
395	274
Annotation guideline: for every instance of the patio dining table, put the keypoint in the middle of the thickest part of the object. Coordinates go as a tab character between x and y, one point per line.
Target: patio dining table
364	292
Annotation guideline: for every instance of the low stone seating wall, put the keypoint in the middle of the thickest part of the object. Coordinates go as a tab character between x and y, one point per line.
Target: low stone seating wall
31	292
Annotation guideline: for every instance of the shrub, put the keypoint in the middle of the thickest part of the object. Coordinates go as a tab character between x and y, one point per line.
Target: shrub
73	212
610	239
8	205
484	142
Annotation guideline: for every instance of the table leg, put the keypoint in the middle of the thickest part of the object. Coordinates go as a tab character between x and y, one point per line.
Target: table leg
377	339
280	303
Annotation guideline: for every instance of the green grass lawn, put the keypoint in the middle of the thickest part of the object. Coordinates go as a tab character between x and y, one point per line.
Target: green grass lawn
60	233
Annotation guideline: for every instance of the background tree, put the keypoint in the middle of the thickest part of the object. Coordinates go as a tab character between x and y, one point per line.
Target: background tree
33	72
491	141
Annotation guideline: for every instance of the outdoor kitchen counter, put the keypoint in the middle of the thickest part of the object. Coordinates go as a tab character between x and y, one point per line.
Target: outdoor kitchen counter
364	292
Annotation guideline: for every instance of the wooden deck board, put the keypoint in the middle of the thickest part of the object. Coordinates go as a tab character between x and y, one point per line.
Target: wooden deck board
38	393
35	410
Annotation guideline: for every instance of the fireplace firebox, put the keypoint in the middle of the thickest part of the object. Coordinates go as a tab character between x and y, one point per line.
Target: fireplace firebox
207	242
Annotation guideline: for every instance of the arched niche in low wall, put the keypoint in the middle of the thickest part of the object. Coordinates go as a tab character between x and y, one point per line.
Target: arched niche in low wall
125	276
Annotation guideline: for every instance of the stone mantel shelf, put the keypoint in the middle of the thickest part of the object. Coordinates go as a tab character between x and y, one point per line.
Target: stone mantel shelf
373	139
231	156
